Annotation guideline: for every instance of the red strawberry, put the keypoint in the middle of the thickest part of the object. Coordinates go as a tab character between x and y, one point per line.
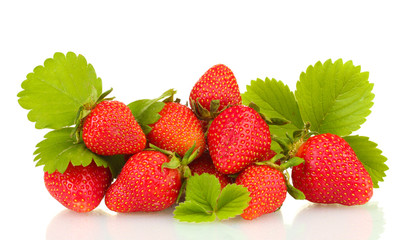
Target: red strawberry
177	130
269	155
111	129
79	188
218	83
204	164
267	188
143	186
236	138
332	173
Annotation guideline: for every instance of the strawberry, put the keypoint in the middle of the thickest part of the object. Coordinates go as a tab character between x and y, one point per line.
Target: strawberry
143	185
331	173
204	164
111	129
218	83
267	189
177	130
79	188
236	138
269	155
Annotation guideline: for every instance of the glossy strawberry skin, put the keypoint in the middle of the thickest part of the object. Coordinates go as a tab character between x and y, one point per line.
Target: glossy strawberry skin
177	130
204	164
218	83
79	188
269	155
332	173
111	129
267	190
236	138
143	186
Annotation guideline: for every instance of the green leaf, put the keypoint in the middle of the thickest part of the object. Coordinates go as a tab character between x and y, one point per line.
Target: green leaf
334	97
58	149
275	100
204	190
371	157
205	202
232	201
54	92
190	211
146	111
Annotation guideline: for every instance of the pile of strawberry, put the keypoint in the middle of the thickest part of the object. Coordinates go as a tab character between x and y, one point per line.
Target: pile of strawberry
215	156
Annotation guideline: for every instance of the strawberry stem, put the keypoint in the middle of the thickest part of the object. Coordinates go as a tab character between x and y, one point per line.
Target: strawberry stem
294	192
166	152
301	136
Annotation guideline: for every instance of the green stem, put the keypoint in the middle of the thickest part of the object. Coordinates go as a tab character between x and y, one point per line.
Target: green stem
293	150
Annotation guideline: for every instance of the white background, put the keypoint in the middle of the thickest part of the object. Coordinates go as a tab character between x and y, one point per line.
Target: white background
142	49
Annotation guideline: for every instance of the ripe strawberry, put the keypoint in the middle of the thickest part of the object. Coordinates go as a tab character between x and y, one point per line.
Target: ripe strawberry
111	129
177	130
218	83
332	173
236	138
267	187
269	155
79	188
204	164
143	186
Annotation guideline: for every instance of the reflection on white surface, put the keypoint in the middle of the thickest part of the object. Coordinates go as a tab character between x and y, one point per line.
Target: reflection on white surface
99	224
314	221
72	225
156	225
317	221
270	225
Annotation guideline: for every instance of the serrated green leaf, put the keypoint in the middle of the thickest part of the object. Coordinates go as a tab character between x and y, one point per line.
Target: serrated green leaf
190	211
146	111
204	190
371	157
275	100
54	92
204	200
232	201
334	97
58	149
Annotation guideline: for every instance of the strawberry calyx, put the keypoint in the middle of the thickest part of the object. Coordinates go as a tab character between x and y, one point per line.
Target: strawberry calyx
287	158
176	161
291	144
206	114
86	109
180	163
